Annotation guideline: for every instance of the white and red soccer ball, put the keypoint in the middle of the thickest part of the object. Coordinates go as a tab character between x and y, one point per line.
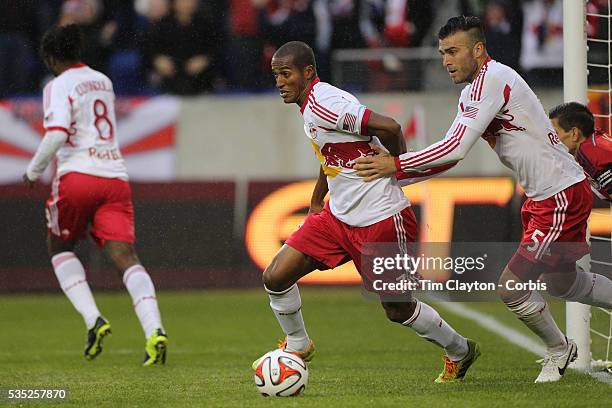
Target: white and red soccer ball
281	374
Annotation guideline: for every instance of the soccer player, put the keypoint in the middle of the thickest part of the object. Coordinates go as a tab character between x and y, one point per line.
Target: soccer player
592	148
90	188
339	129
498	105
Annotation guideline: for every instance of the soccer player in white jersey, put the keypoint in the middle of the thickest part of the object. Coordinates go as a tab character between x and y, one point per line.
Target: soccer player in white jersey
90	189
498	105
339	128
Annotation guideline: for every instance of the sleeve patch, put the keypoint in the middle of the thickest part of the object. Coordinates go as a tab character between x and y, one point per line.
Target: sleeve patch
349	123
470	112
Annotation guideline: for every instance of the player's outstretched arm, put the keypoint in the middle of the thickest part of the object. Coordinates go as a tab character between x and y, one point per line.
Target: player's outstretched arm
472	120
459	139
454	147
318	194
413	177
441	155
49	145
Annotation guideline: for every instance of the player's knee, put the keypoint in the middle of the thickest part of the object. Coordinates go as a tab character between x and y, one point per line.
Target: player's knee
519	269
52	250
267	279
280	273
57	246
555	288
399	312
122	254
272	279
559	283
395	315
506	295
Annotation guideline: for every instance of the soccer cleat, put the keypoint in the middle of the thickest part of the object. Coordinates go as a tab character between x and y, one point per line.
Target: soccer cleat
554	366
306	355
95	335
455	370
156	348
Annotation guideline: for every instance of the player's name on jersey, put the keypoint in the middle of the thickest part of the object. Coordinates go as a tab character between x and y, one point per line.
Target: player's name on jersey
89	86
107	154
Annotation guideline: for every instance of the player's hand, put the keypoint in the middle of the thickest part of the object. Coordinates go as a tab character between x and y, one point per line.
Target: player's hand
164	66
196	65
29	183
316	208
382	164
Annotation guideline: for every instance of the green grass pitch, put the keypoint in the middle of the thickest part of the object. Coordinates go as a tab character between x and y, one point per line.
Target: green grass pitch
362	359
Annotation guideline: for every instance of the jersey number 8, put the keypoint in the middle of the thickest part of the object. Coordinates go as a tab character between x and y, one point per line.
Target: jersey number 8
102	122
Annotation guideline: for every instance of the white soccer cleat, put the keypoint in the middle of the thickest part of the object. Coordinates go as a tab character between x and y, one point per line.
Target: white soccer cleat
554	366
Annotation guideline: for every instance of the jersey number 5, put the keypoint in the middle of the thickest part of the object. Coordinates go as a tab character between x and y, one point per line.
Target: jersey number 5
102	122
536	242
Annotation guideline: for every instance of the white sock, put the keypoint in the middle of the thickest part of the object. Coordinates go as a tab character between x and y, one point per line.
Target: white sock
141	289
532	310
71	276
287	307
592	289
428	324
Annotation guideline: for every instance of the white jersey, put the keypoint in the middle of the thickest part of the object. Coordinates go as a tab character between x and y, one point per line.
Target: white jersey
335	123
499	106
81	102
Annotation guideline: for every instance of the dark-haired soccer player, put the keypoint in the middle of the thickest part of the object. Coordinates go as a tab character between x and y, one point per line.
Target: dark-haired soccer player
340	129
498	105
90	188
592	148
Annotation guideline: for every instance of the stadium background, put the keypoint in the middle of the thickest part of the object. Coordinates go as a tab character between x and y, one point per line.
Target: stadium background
208	165
215	195
221	173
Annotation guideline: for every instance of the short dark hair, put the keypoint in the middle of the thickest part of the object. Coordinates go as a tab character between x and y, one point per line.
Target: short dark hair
574	115
301	54
62	43
470	24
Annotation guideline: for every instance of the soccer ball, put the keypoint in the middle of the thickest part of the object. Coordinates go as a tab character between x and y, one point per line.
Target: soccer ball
281	374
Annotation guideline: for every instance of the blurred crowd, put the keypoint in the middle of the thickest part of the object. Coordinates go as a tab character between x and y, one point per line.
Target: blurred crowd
189	47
